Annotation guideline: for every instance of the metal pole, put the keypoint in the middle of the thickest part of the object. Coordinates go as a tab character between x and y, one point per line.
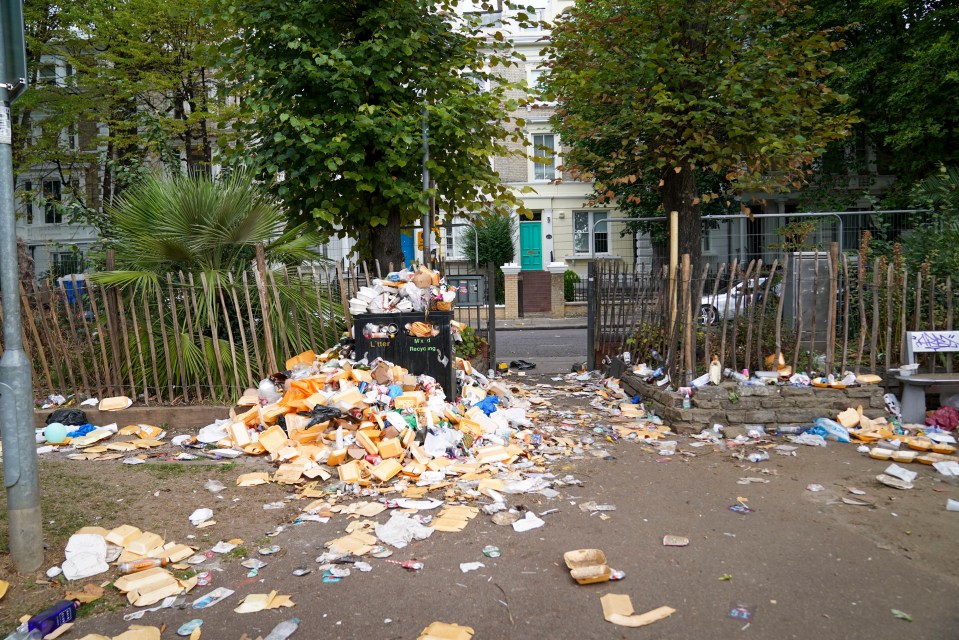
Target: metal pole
491	313
673	262
426	186
591	316
20	474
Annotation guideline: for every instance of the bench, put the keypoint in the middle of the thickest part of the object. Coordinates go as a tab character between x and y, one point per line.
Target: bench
914	387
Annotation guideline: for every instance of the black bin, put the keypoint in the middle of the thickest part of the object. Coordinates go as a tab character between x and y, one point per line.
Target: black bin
384	335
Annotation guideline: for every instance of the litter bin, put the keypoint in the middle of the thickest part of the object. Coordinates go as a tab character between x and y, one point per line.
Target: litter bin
74	293
384	335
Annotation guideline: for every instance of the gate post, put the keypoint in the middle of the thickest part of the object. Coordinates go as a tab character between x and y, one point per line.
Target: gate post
511	276
591	293
491	313
557	298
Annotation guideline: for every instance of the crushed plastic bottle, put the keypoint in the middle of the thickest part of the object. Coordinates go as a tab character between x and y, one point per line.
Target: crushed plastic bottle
141	565
284	630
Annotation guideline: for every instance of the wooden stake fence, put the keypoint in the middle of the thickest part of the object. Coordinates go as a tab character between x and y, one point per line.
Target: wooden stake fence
813	300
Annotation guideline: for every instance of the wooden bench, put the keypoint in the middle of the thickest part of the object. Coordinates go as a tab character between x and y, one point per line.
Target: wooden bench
915	387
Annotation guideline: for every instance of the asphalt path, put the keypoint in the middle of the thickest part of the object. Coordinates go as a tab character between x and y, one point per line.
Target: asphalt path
551	350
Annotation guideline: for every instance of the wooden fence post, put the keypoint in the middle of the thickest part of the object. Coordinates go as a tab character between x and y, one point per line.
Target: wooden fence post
264	308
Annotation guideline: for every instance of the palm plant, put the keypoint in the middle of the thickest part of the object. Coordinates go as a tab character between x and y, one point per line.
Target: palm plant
187	243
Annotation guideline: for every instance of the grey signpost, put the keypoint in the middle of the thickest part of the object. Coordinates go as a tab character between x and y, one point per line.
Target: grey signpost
20	474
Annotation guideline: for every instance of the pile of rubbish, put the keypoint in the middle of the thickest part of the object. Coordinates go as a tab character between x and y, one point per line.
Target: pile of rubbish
404	292
370	422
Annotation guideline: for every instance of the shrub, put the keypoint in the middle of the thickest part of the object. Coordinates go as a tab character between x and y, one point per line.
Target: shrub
570	279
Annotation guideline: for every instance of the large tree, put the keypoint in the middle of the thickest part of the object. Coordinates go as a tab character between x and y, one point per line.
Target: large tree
658	89
902	63
115	86
335	93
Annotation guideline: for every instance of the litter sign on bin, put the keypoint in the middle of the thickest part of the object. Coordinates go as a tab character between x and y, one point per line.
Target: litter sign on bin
417	342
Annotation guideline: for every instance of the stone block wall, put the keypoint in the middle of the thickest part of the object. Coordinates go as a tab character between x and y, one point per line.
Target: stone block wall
770	406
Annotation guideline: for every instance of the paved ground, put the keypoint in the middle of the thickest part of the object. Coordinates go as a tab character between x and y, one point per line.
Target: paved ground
552	350
805	564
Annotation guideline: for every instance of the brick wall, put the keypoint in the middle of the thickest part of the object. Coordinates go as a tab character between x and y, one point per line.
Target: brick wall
770	406
536	291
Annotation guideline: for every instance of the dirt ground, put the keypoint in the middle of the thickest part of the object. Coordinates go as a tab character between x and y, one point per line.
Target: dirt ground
803	563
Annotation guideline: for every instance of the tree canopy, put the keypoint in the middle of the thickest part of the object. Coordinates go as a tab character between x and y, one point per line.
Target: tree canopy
902	64
658	89
115	87
335	94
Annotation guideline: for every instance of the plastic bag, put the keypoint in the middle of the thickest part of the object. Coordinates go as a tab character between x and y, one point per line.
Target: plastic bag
321	413
830	430
68	417
810	439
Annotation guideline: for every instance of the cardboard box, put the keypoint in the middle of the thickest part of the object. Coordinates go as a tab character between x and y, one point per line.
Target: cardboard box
123	535
349	472
386	469
273	439
391	448
364	440
144	543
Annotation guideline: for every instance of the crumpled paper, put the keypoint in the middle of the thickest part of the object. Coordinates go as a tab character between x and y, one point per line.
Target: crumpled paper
86	555
400	530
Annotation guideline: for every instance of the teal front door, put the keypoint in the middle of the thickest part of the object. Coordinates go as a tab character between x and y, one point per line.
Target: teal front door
531	246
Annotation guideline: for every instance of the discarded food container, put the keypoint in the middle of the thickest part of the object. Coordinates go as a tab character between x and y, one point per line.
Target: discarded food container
587	566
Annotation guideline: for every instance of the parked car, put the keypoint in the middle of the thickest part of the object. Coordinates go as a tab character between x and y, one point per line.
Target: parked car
713	308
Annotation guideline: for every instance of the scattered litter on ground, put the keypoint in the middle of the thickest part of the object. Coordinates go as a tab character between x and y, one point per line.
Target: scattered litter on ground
618	609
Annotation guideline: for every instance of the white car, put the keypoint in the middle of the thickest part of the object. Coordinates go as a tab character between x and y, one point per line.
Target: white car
713	308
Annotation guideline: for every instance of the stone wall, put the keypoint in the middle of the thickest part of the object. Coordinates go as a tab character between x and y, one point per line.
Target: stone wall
770	406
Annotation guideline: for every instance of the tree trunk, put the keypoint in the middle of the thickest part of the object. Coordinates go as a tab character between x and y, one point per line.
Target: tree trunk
385	242
678	193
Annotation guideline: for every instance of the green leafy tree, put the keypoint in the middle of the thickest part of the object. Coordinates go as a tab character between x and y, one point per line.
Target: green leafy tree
934	244
902	76
198	224
491	239
658	89
335	94
115	87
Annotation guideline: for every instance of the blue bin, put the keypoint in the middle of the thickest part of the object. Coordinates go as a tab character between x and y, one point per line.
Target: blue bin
75	289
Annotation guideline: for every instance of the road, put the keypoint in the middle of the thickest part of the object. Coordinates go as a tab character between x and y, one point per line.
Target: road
552	350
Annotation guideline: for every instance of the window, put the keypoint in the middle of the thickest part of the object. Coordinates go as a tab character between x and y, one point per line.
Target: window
588	236
706	243
73	137
544	156
535	77
481	82
47	74
64	263
52	213
28	201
